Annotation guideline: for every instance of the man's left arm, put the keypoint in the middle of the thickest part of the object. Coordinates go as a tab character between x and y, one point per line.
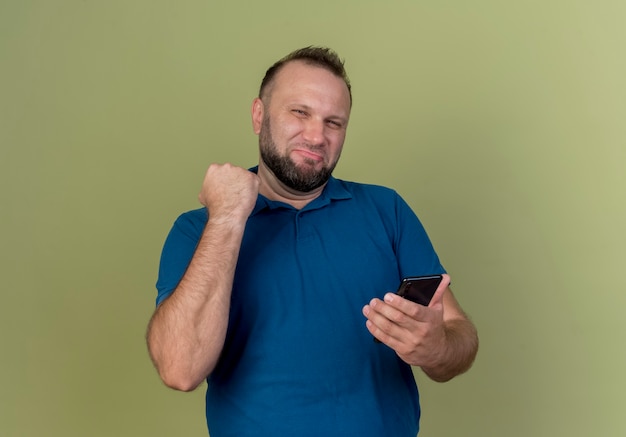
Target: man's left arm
439	338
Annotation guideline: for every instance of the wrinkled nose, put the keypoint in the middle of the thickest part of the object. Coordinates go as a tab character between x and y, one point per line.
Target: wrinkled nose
314	132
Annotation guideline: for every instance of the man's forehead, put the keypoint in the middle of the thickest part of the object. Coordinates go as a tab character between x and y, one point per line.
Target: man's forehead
300	73
299	66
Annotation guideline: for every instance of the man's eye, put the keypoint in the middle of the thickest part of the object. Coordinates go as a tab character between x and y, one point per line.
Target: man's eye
335	124
299	111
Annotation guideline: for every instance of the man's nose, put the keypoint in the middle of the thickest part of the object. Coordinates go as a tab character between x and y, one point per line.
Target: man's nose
314	132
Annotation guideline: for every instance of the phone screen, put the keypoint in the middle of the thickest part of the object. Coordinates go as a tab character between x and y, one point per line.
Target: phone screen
419	289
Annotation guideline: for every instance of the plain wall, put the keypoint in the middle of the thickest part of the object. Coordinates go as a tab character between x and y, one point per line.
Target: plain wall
501	123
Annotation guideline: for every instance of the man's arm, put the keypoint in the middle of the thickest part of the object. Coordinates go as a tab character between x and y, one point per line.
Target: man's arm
439	338
187	331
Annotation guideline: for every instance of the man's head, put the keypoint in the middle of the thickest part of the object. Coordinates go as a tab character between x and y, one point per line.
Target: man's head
317	56
301	116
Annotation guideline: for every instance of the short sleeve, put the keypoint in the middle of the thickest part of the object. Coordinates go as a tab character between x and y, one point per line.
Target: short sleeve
178	250
414	250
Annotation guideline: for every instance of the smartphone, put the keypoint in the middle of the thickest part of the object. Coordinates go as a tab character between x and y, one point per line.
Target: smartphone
419	289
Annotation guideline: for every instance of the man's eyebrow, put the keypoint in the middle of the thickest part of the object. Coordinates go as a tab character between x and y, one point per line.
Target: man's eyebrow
309	108
299	105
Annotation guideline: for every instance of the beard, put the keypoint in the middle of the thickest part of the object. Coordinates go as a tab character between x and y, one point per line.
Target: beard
304	179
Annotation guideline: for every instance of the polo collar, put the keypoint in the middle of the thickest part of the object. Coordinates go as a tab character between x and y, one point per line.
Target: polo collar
334	190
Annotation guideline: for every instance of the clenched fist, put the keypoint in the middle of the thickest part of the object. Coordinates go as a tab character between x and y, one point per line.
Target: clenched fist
229	192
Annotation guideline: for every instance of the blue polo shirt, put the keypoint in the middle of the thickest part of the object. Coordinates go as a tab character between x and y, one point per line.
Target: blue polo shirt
298	359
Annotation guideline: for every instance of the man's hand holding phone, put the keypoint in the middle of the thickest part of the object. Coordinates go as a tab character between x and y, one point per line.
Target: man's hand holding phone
415	331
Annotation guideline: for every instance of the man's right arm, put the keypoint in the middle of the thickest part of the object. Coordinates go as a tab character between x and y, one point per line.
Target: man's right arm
187	331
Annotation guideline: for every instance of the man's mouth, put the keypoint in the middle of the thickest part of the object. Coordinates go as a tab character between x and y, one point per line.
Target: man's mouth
310	155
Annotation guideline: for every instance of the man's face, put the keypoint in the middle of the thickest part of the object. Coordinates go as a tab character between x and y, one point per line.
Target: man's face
302	125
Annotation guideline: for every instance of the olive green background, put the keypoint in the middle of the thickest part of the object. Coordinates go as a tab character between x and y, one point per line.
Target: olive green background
501	123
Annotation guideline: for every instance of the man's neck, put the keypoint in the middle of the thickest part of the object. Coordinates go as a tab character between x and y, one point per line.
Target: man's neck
275	190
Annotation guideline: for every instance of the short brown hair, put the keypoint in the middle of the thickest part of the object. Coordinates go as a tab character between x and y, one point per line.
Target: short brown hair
319	56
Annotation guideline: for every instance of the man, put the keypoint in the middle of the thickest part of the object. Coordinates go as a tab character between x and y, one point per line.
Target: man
263	291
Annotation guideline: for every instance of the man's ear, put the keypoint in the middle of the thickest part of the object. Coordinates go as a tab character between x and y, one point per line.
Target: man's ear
258	110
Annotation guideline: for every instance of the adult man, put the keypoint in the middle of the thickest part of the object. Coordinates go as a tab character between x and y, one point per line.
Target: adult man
263	291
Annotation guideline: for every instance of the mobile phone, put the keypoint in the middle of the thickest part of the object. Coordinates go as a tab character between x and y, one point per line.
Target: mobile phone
419	289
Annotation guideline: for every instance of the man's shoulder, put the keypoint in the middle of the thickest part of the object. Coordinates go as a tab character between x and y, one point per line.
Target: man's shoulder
194	214
367	190
192	221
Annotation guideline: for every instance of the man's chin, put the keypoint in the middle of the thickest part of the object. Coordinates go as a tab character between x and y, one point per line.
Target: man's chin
310	173
307	181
